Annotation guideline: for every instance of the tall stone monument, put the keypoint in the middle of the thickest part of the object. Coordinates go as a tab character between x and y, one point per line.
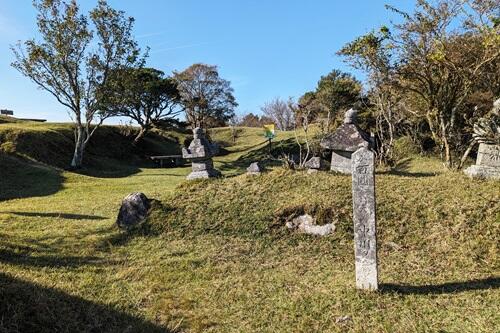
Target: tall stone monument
364	216
200	152
344	141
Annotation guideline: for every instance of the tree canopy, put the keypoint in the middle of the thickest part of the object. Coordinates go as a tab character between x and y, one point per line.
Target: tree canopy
143	94
64	64
204	94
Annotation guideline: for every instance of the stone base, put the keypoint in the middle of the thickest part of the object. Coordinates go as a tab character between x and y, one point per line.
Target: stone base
213	173
312	171
483	172
366	274
203	169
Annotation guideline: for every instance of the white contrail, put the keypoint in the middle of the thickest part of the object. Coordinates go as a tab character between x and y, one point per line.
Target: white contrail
178	47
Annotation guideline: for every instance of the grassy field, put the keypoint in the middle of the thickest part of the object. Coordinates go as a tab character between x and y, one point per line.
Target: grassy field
221	259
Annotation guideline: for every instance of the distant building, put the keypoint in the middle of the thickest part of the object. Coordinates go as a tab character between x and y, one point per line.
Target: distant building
6	112
10	113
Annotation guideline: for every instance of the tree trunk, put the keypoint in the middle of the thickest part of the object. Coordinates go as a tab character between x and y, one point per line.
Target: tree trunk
466	154
444	139
139	136
77	161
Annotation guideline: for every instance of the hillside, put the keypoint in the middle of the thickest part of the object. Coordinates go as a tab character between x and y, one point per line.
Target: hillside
216	257
110	150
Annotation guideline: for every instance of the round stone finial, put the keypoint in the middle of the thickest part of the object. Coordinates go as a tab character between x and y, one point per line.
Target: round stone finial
198	133
350	116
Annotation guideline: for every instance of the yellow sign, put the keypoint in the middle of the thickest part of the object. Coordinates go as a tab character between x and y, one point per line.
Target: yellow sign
269	131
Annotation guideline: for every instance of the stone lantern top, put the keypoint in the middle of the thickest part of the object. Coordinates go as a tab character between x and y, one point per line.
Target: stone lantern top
348	137
200	147
351	116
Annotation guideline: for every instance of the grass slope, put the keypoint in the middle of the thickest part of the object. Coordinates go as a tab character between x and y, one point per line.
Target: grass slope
223	262
110	152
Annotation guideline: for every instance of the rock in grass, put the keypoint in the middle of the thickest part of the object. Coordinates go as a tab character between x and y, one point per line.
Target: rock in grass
314	163
134	210
254	169
307	225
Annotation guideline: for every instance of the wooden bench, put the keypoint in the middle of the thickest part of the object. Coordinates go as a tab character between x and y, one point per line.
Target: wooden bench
170	160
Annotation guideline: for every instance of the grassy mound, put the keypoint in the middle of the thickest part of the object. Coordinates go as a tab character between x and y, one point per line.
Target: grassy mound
109	152
414	206
22	179
438	236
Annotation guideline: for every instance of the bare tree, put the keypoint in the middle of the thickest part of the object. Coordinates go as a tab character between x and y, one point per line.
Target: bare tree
280	112
62	64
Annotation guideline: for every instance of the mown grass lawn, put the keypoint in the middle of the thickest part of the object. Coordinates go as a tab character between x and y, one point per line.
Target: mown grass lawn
224	263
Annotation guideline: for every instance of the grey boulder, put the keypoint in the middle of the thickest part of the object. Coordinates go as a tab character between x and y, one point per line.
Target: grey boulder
254	169
134	209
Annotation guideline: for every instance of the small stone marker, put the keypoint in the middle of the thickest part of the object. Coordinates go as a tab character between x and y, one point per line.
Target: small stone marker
254	169
365	225
314	164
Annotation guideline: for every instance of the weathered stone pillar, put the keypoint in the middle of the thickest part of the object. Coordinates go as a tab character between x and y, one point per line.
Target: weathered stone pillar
364	216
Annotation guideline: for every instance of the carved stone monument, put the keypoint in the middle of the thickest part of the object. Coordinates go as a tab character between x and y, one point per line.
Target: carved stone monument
487	163
200	152
487	134
364	216
344	141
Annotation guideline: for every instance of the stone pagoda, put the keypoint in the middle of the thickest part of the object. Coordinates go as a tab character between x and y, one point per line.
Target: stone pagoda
344	141
200	152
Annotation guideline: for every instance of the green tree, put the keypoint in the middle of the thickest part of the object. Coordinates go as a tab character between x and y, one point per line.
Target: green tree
372	54
204	94
336	92
63	64
144	95
444	48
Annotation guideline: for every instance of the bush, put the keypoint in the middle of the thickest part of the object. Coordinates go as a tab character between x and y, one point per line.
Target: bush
405	147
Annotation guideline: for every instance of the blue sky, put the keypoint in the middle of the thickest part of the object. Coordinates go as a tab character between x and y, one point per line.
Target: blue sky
265	48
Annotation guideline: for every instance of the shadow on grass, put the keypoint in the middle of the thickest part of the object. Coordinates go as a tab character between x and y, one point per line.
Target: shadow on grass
28	307
108	169
23	179
408	174
402	169
59	215
444	288
53	261
261	155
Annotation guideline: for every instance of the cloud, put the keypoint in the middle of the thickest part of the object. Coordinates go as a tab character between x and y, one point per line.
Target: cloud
151	34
